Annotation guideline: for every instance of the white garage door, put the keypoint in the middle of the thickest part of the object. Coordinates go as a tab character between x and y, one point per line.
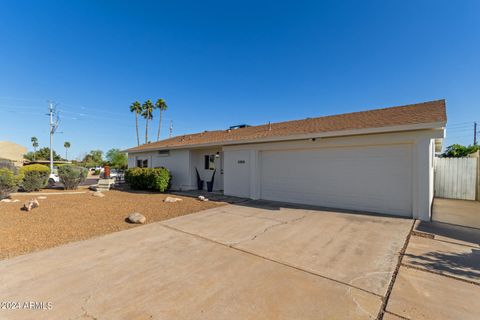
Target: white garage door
374	179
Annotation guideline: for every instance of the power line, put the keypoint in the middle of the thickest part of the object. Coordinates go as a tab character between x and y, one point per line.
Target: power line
460	128
457	123
21	107
21	99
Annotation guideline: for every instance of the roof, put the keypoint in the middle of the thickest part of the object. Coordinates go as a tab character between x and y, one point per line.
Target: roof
48	161
11	151
432	112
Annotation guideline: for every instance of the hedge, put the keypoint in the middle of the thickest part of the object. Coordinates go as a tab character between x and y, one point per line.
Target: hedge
9	182
35	177
156	179
71	176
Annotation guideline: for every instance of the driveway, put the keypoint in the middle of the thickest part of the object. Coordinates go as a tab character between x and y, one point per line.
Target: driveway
439	277
255	260
458	212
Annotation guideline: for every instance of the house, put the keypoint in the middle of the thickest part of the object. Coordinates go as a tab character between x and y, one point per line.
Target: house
379	161
11	153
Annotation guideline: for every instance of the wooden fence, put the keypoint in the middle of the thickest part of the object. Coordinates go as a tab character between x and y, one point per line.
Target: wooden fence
456	178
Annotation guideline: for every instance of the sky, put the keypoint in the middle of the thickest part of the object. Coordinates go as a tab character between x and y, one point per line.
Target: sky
223	63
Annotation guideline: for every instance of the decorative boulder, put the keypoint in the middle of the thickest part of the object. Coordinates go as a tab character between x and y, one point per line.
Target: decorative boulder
202	198
42	198
136	218
98	194
172	199
31	205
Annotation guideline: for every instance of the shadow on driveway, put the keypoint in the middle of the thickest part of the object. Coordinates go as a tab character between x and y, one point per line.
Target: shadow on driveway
464	265
453	232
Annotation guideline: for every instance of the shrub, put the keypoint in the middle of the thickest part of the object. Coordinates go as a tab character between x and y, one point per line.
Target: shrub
96	172
157	179
71	176
9	182
35	177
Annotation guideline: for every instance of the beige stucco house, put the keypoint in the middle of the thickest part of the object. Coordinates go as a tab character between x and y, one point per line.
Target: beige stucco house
12	153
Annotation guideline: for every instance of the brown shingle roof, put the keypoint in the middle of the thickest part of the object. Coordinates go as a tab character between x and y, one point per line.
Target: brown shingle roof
426	112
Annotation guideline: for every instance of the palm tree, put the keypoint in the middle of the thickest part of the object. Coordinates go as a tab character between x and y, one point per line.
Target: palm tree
34	141
162	106
136	107
66	145
147	113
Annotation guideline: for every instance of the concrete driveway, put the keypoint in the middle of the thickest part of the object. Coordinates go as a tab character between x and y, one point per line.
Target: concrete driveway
439	277
458	212
255	260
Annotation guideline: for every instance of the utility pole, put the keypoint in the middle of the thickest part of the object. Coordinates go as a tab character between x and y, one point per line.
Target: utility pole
475	133
171	128
52	112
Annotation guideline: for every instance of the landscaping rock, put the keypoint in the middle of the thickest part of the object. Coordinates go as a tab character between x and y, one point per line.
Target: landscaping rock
136	218
31	205
202	198
172	199
98	194
42	198
10	200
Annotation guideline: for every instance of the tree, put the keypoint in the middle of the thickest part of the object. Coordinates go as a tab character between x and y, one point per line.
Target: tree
459	151
42	154
162	106
34	144
93	159
117	159
136	108
66	145
147	113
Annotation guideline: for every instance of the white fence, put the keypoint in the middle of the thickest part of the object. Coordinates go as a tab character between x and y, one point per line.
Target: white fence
456	178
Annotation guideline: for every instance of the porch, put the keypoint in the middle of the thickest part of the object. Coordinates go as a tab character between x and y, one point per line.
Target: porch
206	167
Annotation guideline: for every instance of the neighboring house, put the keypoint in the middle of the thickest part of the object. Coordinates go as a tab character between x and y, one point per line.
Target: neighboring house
377	161
12	153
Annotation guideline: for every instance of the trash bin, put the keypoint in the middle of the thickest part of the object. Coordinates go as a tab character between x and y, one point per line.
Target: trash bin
106	172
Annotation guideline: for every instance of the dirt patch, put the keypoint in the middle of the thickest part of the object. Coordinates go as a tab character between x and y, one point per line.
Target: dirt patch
66	218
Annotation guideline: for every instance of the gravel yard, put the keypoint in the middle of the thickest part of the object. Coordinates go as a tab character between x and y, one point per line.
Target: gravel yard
72	217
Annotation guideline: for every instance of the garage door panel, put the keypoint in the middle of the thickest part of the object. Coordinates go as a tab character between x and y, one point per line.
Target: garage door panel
376	179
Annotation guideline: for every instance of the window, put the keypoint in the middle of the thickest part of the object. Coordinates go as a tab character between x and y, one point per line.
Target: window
164	153
142	163
209	162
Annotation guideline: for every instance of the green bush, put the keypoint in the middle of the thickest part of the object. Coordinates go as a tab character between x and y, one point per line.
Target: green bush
157	179
96	172
9	182
35	177
71	176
